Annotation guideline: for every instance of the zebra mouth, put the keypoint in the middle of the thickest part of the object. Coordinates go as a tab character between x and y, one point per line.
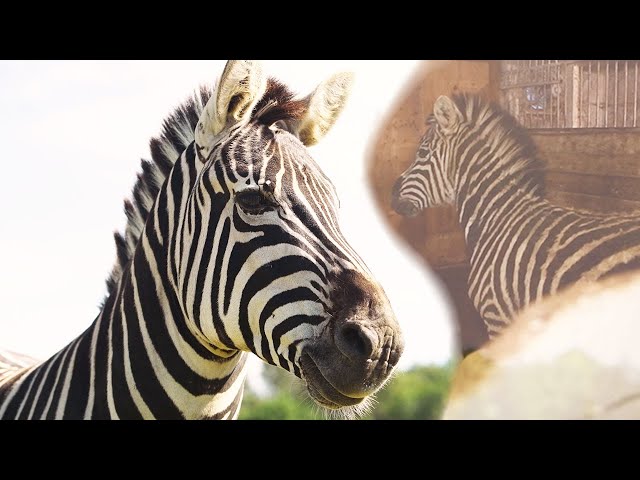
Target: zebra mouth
321	389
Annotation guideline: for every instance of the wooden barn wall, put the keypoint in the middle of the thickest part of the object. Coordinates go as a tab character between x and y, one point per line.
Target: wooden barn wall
593	169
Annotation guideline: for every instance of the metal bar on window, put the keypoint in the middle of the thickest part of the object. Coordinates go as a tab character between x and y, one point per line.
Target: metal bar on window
566	97
626	85
615	97
527	111
562	93
557	76
580	96
548	108
589	97
606	96
552	113
597	91
532	112
635	99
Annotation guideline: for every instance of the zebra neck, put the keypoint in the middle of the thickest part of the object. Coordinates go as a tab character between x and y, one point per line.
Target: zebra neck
140	358
152	365
492	184
137	360
159	359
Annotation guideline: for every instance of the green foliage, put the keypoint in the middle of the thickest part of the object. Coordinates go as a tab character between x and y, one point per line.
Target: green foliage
418	393
287	400
280	406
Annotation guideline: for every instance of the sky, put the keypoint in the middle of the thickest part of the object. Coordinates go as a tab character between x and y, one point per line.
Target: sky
72	134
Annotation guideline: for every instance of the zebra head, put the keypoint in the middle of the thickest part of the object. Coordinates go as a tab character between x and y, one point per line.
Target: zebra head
281	281
429	181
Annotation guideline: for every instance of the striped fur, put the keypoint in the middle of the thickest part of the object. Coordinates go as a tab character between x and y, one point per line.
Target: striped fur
203	277
522	247
177	134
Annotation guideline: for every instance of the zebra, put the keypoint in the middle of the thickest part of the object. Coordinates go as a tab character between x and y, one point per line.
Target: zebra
232	246
476	157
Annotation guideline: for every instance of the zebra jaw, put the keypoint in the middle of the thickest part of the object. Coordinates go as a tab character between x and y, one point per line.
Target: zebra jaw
356	353
350	362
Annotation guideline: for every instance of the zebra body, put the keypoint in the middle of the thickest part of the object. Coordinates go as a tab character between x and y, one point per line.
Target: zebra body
232	248
521	247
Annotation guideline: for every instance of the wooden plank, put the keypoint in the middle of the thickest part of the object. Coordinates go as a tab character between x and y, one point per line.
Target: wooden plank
627	165
594	203
619	187
607	142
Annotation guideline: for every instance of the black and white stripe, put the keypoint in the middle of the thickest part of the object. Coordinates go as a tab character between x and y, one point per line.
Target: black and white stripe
203	277
476	156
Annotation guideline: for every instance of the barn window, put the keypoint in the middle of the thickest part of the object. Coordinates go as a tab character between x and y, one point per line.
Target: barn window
550	94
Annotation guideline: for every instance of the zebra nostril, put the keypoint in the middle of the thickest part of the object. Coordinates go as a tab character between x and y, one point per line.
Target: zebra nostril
356	341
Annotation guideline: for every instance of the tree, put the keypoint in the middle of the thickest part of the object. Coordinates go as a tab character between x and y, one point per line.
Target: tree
287	399
418	393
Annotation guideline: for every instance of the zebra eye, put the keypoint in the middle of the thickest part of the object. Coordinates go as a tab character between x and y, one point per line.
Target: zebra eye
253	201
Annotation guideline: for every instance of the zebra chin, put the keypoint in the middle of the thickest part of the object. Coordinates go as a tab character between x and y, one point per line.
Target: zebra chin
357	350
335	380
321	389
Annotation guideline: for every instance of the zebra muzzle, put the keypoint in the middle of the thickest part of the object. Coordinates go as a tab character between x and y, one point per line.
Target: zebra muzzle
405	207
361	344
350	362
321	389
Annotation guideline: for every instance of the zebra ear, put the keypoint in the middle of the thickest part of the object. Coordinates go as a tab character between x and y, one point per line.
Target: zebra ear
324	105
240	87
447	114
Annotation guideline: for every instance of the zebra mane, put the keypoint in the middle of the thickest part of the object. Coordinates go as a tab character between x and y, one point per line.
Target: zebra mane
177	133
277	104
521	159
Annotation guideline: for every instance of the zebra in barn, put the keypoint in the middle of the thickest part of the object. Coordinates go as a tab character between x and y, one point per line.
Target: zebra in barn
234	248
475	156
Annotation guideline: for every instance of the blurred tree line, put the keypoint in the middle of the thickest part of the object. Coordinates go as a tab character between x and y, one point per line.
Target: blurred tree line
418	393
